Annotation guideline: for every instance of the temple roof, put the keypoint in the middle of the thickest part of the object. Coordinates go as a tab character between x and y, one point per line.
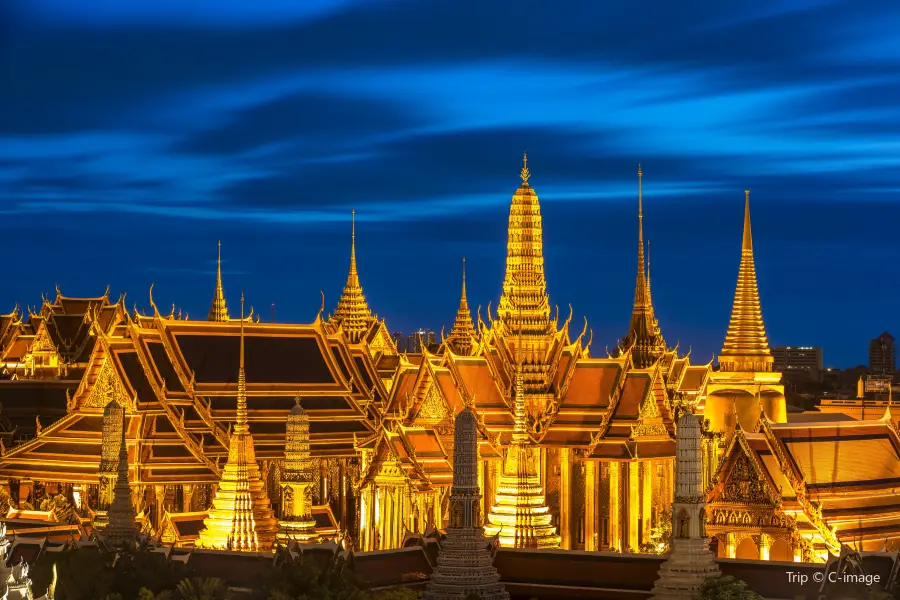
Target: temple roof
841	475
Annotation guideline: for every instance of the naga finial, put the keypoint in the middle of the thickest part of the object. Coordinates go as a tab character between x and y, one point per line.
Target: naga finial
583	331
321	307
152	303
443	338
568	319
106	293
590	340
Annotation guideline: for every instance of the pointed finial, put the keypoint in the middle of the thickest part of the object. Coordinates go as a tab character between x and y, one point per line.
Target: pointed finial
353	243
464	278
240	425
525	174
748	238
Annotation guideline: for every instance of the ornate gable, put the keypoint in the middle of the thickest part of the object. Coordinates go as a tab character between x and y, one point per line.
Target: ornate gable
742	480
650	422
381	342
108	386
433	408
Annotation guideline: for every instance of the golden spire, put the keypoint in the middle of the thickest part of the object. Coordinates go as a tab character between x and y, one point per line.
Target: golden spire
521	518
524	304
643	337
352	311
241	516
219	310
525	173
746	345
461	336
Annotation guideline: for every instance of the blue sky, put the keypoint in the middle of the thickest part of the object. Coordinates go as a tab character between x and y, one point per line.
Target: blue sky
133	135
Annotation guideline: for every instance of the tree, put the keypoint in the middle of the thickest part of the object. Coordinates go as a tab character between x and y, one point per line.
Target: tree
726	587
314	577
201	588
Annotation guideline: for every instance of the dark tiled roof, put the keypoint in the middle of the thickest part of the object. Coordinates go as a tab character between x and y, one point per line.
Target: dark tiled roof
269	359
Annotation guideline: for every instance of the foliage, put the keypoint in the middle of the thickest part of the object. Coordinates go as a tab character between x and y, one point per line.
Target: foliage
93	572
726	587
200	588
146	594
662	533
397	593
60	506
318	577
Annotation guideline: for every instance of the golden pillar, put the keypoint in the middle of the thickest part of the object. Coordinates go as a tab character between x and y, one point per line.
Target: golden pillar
565	498
634	505
615	502
647	473
160	493
730	546
187	495
765	544
590	505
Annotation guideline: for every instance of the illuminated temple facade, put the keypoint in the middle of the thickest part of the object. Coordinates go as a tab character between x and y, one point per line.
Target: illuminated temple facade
574	451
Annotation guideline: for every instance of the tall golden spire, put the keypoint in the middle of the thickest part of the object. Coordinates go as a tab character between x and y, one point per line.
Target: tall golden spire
524	304
521	518
746	345
352	311
241	517
643	337
463	330
219	310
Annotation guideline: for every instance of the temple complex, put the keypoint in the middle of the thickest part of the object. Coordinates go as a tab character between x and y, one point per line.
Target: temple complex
576	448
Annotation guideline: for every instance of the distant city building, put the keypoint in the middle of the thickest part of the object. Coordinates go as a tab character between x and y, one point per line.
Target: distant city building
883	354
798	363
416	341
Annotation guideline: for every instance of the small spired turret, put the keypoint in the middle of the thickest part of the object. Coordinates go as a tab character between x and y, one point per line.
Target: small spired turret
465	563
218	311
110	442
297	522
690	560
121	531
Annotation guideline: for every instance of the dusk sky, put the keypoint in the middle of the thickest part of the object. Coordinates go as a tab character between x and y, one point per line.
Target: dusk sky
135	134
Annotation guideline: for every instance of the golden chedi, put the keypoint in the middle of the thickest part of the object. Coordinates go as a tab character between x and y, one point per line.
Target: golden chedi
521	518
241	517
745	384
297	522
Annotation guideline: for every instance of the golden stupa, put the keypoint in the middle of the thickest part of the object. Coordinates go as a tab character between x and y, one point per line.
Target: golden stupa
241	516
